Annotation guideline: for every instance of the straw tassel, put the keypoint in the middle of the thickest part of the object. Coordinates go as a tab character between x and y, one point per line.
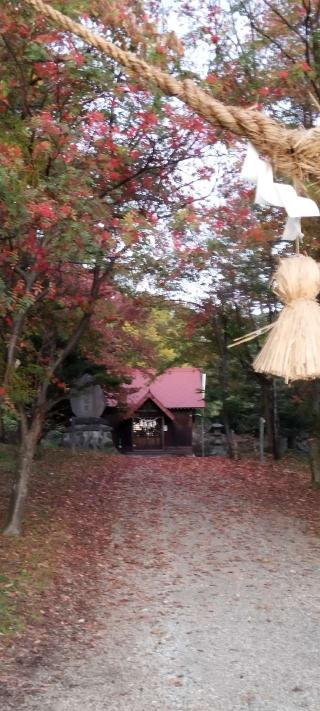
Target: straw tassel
292	349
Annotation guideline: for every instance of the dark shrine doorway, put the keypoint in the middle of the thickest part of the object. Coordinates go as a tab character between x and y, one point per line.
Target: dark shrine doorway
148	427
147	431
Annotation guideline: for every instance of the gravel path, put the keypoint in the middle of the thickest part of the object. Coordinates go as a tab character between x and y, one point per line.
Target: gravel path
209	605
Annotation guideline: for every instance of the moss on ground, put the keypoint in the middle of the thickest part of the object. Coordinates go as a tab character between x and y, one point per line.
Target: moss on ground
10	620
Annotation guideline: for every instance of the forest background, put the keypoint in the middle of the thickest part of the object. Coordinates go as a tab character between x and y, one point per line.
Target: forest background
127	239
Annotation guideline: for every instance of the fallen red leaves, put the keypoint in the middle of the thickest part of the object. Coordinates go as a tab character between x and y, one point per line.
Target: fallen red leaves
52	576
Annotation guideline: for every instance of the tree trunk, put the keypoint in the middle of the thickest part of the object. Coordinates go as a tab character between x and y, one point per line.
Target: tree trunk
314	444
220	330
276	445
229	435
314	439
2	428
269	400
29	440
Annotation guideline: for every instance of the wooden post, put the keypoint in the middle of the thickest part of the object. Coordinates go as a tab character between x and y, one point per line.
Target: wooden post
261	439
235	445
202	434
162	432
73	436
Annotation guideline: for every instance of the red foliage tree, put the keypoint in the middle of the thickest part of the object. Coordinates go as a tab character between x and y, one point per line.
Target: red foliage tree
90	166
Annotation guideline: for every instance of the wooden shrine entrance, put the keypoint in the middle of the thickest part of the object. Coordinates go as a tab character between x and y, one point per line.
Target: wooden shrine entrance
147	431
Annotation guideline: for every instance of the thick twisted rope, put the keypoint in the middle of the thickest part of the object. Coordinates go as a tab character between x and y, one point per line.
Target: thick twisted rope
293	152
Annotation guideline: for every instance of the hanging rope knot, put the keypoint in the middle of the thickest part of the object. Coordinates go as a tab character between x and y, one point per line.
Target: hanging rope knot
297	278
300	301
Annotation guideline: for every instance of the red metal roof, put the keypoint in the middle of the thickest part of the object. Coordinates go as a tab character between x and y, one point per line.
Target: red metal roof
175	388
147	396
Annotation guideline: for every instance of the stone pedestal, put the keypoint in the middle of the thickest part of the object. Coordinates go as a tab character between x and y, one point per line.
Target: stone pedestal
88	433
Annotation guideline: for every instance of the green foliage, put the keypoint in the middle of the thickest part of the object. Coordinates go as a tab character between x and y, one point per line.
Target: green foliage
77	364
10	620
166	329
10	421
8	455
36	52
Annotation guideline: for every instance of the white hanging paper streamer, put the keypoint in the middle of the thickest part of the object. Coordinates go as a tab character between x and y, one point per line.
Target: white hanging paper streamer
292	228
252	165
260	173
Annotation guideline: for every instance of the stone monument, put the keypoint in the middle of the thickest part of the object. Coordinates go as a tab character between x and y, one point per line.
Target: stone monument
88	430
217	440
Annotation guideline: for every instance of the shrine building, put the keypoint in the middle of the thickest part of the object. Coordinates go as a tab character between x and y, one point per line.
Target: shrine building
158	411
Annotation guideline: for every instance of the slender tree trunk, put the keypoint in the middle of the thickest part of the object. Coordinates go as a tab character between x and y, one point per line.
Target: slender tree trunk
269	400
229	435
276	447
29	440
314	443
2	429
314	440
220	329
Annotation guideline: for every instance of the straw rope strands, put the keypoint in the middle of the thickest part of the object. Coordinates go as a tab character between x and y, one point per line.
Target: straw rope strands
292	348
293	153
